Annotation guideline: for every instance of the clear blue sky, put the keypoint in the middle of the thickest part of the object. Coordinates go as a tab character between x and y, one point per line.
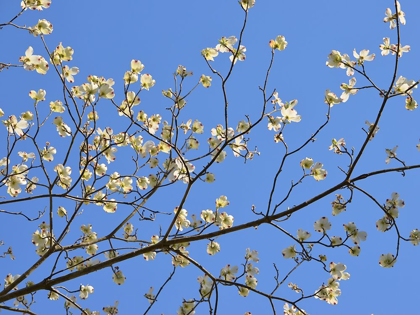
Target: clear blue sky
106	36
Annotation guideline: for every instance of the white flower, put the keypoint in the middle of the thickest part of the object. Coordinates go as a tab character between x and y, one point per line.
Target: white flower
390	154
331	98
387	260
348	90
85	291
415	237
228	272
363	56
147	81
247	4
318	172
279	43
337	271
370	129
389	17
322	225
289	252
303	235
251	255
213	248
118	277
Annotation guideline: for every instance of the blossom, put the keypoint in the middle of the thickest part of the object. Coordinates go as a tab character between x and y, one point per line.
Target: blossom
226	44
370	129
34	62
208	216
322	225
337	145
68	73
42	27
303	235
228	272
331	98
136	66
85	291
289	252
334	59
247	4
348	90
143	182
415	237
337	271
411	103
387	260
35	4
383	224
355	250
38	96
389	17
205	81
238	54
209	53
363	56
400	49
318	172
130	77
390	154
110	206
213	248
385	47
15	126
251	255
274	123
279	43
61	212
63	129
306	163
62	54
289	115
118	277
150	296
146	81
404	86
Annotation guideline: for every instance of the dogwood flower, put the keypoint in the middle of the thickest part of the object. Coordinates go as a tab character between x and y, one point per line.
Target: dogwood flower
390	154
15	126
62	54
318	172
335	60
228	272
400	49
136	66
205	81
38	96
355	250
209	53
289	115
279	43
331	99
213	248
289	252
238	54
389	17
146	81
274	123
226	44
42	27
348	90
383	224
68	73
363	56
118	277
110	206
306	163
63	129
322	225
370	129
35	4
251	255
415	237
337	271
410	103
247	4
404	86
34	62
150	296
385	47
337	145
85	290
303	235
387	260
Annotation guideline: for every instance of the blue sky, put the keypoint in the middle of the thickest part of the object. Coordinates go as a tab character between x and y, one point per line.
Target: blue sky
164	34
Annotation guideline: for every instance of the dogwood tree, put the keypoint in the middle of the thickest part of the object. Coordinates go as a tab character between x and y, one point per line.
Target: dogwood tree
202	194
